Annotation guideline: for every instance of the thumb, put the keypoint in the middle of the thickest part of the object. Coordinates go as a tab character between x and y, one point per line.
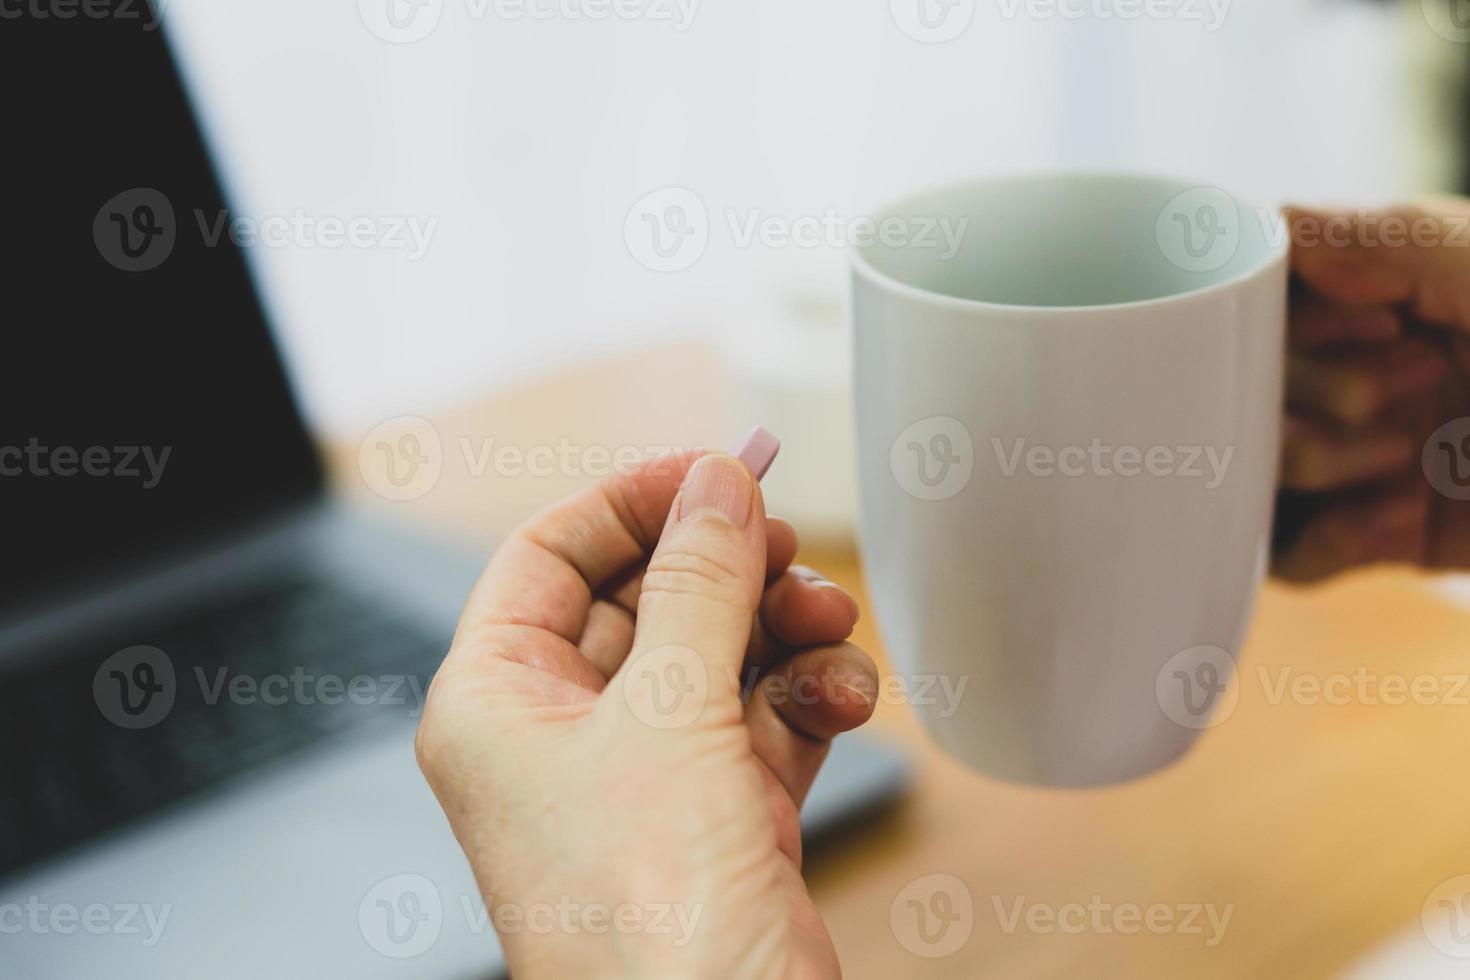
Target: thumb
699	598
1336	251
1413	255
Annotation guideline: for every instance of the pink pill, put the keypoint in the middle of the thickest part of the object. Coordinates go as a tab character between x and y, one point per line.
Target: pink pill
758	450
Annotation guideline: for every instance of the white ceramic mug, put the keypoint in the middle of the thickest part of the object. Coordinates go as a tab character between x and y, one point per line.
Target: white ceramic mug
1068	395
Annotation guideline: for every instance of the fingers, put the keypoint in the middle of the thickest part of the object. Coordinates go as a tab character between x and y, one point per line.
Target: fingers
802	703
608	634
1353	385
1356	385
1317	457
1319	322
781	545
558	674
824	691
1383	525
1415	256
545	573
1330	251
801	608
704	581
1345	428
607	638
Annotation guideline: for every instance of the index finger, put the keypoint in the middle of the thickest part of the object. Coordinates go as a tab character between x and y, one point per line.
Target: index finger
544	575
1317	322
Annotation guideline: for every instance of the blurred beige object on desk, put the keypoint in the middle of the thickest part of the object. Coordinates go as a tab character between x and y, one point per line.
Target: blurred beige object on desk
789	361
502	459
506	457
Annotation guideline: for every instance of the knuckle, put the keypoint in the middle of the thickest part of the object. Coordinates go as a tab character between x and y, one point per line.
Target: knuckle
687	573
1355	399
429	743
1307	466
425	749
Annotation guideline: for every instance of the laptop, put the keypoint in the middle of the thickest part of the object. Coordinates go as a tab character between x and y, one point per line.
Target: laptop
210	670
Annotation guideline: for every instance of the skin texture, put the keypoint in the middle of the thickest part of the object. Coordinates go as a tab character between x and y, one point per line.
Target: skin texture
1379	358
542	741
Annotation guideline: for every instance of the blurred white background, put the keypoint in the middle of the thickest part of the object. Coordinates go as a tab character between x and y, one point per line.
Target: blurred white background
528	140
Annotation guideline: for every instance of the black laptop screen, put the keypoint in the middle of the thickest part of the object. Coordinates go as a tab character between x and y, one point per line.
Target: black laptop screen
144	405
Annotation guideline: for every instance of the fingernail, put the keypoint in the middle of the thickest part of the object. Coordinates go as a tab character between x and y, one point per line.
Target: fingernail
816	579
717	486
859	696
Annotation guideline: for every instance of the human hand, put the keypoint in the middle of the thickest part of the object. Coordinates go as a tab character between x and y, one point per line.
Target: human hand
1379	359
575	777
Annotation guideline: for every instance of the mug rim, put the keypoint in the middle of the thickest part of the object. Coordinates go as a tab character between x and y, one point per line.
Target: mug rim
1275	254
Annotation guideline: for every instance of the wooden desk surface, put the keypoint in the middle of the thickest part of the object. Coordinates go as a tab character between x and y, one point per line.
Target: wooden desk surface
1323	823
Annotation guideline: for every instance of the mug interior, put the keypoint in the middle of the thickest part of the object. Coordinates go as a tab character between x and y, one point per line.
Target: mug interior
1070	240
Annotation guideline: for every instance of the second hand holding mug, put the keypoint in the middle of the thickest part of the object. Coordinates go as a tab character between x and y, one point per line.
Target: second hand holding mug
1068	414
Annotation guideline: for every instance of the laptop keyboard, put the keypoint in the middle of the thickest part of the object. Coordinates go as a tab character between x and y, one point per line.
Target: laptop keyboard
91	740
